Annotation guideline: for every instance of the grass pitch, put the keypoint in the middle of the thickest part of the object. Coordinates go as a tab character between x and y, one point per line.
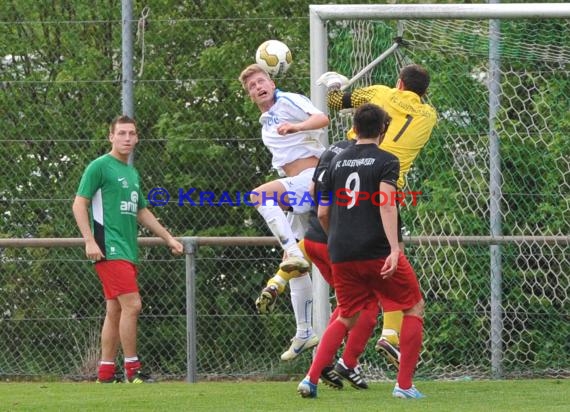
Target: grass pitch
485	396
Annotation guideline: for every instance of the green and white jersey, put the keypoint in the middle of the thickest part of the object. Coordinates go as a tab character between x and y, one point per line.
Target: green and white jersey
115	193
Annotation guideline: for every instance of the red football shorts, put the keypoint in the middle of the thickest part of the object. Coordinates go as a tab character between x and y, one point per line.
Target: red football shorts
357	282
118	277
319	255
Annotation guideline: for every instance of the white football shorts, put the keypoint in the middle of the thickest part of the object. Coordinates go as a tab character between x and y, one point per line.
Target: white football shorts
298	191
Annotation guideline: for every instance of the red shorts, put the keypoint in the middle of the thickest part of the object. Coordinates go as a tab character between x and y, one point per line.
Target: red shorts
359	282
118	277
319	255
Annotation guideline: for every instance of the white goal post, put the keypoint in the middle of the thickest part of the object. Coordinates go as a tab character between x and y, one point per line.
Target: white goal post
322	15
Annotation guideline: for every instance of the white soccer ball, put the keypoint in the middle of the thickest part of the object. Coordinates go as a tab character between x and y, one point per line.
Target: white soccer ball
274	56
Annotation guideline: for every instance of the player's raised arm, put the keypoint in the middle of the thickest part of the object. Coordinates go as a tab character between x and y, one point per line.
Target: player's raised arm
389	217
314	122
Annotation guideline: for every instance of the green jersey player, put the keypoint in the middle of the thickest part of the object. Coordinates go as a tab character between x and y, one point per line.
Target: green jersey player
108	205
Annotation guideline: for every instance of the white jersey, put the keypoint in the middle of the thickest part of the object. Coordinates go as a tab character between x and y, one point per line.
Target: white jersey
290	108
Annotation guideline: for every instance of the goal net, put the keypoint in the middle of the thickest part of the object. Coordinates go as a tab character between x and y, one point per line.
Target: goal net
496	167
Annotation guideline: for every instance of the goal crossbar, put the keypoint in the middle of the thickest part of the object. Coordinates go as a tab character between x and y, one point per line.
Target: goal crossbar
441	11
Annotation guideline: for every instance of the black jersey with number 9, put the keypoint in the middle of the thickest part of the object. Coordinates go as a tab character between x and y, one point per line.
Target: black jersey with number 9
353	178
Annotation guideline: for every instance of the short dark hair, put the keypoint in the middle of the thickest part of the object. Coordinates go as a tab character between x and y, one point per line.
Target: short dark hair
370	121
415	78
122	119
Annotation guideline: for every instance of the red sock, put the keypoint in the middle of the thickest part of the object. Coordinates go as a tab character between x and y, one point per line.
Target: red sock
410	346
360	334
329	344
132	367
106	371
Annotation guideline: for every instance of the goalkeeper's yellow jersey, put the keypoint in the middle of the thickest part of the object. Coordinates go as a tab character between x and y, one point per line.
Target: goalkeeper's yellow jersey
412	120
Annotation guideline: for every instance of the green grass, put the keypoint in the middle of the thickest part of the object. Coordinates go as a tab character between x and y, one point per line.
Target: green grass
485	396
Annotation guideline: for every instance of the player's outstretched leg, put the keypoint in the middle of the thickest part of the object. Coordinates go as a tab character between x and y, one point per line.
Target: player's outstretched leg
277	222
265	303
292	263
299	346
307	389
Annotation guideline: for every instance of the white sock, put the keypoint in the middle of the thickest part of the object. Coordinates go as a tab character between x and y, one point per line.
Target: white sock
103	362
279	226
131	359
299	223
302	301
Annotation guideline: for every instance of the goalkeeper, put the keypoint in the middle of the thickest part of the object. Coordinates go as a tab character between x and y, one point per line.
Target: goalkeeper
410	129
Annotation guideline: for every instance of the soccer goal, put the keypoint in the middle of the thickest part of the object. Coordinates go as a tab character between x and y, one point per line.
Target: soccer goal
490	233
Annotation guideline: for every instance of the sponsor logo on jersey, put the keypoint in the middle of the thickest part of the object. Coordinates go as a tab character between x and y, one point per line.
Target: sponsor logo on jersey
132	206
124	182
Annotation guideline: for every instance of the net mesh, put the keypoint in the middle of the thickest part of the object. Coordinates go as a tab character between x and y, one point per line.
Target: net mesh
453	174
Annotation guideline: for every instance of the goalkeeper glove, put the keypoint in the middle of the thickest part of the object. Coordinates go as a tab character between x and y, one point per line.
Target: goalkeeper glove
332	80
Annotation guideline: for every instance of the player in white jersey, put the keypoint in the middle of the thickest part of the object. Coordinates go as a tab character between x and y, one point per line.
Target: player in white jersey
291	128
302	144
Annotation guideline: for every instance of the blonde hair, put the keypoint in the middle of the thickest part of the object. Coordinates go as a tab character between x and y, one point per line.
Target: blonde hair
250	71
